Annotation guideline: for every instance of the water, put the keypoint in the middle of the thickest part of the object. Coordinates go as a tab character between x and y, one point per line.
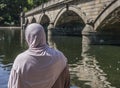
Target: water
90	66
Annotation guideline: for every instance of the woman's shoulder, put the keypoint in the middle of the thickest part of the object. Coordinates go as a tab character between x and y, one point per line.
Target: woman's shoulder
20	58
55	51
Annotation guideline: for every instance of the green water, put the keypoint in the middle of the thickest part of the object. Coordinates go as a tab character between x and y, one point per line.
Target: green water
90	66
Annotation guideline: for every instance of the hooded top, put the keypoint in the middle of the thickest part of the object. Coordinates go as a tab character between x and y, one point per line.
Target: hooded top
39	66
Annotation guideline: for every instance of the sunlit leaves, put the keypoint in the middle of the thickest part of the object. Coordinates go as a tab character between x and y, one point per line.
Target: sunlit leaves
30	2
2	6
10	10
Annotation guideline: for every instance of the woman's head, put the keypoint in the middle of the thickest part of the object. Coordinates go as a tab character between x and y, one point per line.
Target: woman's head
35	35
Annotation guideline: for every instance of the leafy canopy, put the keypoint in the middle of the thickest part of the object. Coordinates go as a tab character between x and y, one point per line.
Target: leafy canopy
10	10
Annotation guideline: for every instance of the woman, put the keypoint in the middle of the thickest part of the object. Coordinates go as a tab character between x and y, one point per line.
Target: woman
39	66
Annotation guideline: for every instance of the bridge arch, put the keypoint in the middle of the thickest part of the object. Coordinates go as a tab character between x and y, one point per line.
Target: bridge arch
69	21
105	14
33	20
43	18
71	8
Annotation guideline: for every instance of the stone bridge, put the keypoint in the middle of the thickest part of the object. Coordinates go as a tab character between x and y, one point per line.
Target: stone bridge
98	21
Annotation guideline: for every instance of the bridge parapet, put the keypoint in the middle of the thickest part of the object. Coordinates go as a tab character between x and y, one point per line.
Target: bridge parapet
91	8
46	5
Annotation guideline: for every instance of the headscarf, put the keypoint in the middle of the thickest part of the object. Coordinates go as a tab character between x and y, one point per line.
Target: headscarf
39	66
35	36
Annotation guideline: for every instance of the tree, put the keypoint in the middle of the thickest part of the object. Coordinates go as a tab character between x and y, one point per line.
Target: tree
10	10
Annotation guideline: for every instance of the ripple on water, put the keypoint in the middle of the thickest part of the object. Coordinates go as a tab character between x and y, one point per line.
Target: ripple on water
4	75
2	56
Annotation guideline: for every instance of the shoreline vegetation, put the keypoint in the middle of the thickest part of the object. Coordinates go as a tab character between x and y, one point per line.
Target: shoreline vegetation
10	28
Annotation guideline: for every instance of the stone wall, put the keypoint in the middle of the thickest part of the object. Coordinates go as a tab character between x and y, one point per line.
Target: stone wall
89	8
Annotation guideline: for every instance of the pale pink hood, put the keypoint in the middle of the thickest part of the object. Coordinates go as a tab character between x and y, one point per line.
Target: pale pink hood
36	39
35	36
39	66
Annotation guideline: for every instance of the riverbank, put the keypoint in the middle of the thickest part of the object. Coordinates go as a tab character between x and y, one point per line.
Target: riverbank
10	27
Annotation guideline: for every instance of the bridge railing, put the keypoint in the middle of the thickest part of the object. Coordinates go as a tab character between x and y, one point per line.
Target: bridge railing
44	5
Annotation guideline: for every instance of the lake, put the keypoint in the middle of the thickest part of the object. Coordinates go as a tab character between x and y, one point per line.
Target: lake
94	66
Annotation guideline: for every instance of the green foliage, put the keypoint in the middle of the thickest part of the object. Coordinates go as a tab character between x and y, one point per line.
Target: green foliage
10	10
1	18
30	2
25	9
2	6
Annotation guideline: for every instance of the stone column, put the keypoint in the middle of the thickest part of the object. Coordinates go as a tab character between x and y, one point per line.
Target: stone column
22	19
49	34
22	27
50	29
88	34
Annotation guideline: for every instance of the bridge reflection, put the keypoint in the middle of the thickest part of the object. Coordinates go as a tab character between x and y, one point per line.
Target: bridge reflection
84	68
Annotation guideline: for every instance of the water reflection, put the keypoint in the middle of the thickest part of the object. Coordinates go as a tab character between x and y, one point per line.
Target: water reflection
90	66
90	71
9	45
9	48
85	69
